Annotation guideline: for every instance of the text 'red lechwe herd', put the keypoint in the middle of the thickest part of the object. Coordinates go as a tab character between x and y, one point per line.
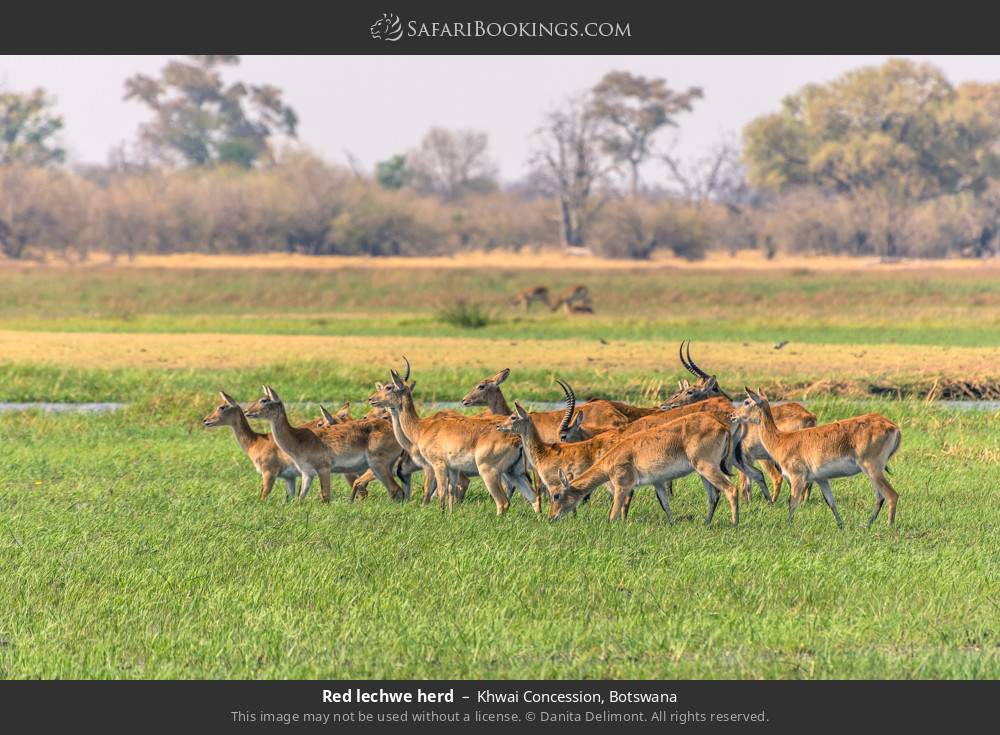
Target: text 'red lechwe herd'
565	455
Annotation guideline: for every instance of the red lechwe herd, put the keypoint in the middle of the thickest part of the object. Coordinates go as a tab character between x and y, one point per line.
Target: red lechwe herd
565	455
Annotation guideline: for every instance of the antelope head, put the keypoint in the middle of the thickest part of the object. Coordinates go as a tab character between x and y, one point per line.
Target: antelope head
751	410
331	419
390	396
485	392
225	414
269	406
564	499
517	423
706	386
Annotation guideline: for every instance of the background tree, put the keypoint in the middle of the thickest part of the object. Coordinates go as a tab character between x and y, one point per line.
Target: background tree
572	166
199	120
886	137
452	163
633	109
392	173
28	127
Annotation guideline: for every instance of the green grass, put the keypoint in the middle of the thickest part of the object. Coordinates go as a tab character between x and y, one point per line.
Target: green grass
937	308
134	547
132	544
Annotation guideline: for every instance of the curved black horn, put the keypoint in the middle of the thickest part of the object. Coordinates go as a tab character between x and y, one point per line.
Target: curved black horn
693	367
407	376
680	354
687	363
570	405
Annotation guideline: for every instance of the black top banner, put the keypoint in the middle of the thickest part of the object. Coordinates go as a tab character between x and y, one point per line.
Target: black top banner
397	27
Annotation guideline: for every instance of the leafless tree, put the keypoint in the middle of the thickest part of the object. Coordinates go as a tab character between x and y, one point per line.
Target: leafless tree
717	176
573	165
452	163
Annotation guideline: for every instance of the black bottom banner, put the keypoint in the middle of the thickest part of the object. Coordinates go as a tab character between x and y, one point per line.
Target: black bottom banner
251	706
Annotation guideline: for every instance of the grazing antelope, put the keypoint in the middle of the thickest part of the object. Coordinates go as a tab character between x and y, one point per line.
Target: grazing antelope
822	453
574	298
450	445
529	296
549	458
600	416
267	457
347	447
696	443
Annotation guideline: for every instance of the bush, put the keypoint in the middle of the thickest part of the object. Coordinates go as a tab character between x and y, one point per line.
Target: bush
465	315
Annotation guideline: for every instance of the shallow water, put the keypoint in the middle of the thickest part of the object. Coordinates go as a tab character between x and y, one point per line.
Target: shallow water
111	407
106	407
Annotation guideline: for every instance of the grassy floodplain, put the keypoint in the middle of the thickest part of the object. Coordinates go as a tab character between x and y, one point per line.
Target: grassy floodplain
132	544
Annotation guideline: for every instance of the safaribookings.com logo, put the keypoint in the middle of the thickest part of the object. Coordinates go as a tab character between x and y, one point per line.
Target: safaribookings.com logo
390	28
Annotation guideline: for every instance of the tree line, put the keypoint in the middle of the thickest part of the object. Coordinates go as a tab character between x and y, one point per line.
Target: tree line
889	160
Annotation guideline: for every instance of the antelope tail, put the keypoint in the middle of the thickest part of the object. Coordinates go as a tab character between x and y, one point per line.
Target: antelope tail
731	456
899	440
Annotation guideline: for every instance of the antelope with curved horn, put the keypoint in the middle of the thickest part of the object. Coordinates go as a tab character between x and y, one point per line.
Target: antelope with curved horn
267	457
863	444
347	447
789	417
450	445
547	458
600	415
696	443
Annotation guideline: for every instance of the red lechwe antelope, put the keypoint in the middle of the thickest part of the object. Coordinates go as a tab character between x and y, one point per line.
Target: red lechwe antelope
822	453
548	458
262	450
574	299
450	445
403	469
600	415
347	447
697	443
788	416
529	296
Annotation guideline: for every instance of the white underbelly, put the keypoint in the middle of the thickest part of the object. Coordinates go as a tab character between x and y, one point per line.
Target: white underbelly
839	468
672	471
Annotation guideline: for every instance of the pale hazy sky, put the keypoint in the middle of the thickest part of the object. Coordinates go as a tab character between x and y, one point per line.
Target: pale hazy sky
375	106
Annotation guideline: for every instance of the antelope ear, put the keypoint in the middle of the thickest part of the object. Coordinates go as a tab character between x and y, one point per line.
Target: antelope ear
680	385
274	395
267	391
578	419
750	393
379	386
501	376
344	412
227	398
326	415
396	380
760	393
562	479
712	382
520	410
411	386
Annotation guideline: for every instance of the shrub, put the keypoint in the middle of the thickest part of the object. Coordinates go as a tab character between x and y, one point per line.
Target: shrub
464	314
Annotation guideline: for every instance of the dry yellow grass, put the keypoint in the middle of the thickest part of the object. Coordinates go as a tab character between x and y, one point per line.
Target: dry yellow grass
810	361
553	259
